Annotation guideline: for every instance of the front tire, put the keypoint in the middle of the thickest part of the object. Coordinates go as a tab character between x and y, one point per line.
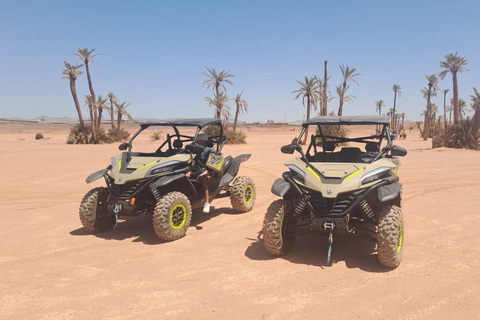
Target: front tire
390	236
243	194
93	204
276	226
172	216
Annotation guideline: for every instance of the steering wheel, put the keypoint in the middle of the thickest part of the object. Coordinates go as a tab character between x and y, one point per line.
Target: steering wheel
366	157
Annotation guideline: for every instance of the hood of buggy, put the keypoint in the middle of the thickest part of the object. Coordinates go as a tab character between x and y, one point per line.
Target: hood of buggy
333	178
140	166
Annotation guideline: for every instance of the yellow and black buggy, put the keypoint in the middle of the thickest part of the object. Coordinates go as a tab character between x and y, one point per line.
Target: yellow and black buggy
340	185
156	183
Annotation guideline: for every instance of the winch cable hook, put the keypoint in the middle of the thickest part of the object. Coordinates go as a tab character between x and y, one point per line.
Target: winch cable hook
330	243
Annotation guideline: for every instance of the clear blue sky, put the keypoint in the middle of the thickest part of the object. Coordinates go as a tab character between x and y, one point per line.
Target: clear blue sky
153	52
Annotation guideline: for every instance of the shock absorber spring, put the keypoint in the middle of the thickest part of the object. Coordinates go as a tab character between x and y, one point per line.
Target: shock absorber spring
300	206
156	193
367	209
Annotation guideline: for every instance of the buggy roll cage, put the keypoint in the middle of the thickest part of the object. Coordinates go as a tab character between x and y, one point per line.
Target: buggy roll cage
200	123
320	121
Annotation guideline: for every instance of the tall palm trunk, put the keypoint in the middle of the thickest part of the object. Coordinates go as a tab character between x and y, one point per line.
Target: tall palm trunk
90	85
476	124
73	89
393	112
90	108
308	117
236	118
340	107
456	109
324	109
100	110
445	110
119	121
112	114
426	126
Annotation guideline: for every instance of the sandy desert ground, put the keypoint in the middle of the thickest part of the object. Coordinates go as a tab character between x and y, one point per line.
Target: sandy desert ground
52	268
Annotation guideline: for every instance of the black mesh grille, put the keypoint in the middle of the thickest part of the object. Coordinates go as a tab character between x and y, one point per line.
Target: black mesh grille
128	189
332	206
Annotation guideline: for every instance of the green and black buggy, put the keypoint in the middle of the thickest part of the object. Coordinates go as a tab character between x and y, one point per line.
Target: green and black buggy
354	190
156	182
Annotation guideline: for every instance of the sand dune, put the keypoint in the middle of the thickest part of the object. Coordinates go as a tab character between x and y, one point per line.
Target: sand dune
52	268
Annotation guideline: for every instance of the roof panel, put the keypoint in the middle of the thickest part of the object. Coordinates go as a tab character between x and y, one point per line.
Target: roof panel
345	120
196	122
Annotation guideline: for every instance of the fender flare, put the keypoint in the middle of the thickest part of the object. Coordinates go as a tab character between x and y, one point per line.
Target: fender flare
232	170
280	187
389	191
96	175
165	180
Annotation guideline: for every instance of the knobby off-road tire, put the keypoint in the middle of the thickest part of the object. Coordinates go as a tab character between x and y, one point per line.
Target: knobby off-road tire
92	201
243	194
390	236
275	226
172	216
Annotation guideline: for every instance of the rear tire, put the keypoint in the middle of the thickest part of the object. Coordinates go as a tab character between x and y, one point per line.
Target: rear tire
172	216
275	226
390	236
243	194
92	202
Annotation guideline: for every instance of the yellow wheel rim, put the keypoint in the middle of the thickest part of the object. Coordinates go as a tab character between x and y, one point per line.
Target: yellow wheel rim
178	216
400	239
248	194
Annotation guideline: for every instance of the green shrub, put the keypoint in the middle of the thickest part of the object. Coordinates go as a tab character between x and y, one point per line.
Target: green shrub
79	135
333	131
233	137
121	135
458	136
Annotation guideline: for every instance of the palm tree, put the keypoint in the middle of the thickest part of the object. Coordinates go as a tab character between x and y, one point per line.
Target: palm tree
217	80
218	102
91	105
86	57
461	109
379	104
122	111
433	116
454	64
111	107
348	75
242	107
309	91
403	120
432	84
397	91
476	107
444	107
225	114
101	104
344	98
71	73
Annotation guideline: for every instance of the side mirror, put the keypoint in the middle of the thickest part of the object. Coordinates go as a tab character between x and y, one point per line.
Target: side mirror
289	149
123	146
398	151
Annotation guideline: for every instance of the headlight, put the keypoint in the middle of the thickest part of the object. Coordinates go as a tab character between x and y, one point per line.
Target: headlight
374	175
164	167
298	172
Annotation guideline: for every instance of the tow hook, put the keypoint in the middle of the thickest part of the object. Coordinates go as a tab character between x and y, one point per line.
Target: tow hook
329	226
117	209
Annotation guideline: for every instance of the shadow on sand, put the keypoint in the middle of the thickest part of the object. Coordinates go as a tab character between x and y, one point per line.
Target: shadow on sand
140	229
312	249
